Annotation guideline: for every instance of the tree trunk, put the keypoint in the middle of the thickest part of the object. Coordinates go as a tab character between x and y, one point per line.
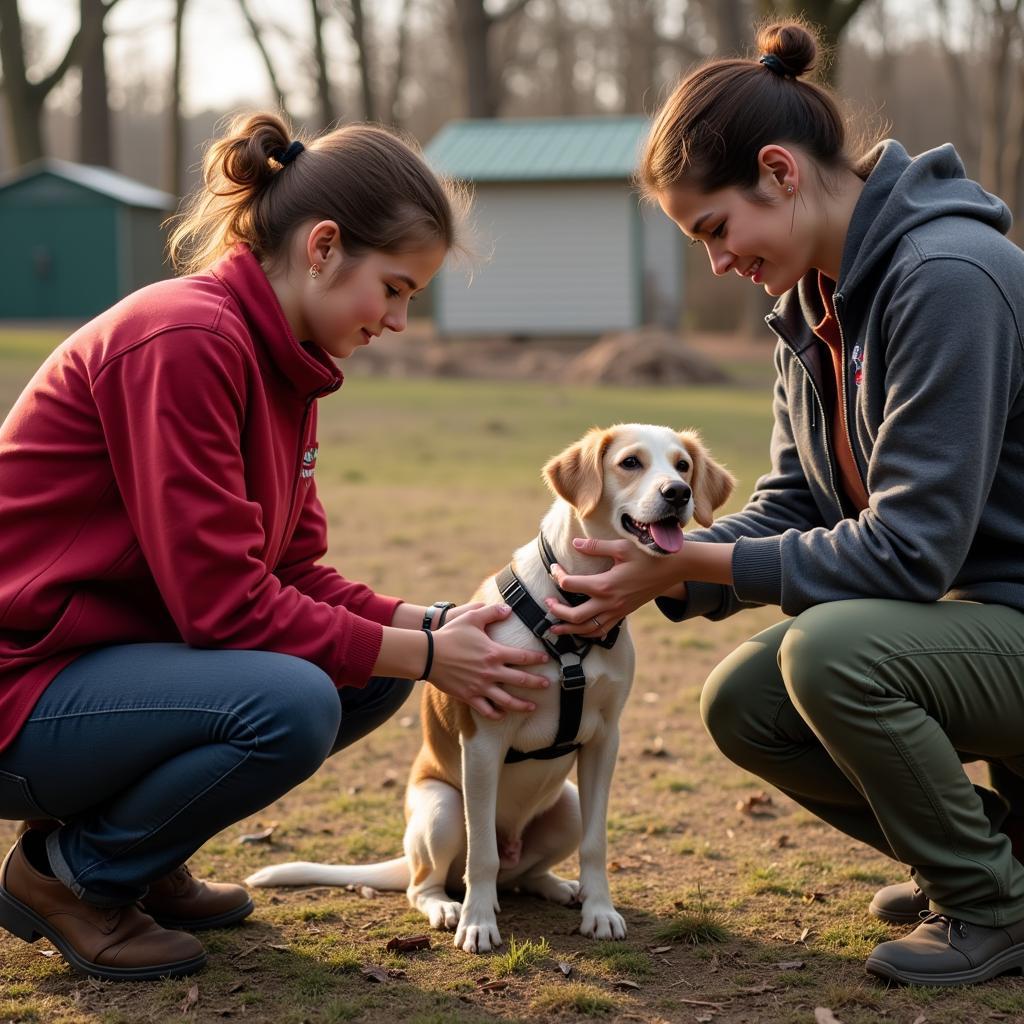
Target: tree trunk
325	107
257	36
23	100
94	130
357	25
731	22
399	68
174	172
474	30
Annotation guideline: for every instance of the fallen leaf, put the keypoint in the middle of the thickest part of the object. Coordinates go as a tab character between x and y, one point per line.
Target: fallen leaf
756	805
756	990
815	897
237	987
47	952
374	973
626	983
191	999
408	944
565	968
804	934
789	965
783	842
368	892
279	945
262	836
493	986
705	1018
823	1015
659	949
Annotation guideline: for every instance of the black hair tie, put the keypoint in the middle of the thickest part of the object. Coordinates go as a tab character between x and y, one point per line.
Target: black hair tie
286	156
770	61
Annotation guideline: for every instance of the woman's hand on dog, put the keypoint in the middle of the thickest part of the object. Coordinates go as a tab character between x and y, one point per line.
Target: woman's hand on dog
471	667
634	579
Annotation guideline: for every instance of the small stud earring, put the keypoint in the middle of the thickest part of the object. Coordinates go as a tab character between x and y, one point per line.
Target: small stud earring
314	271
790	190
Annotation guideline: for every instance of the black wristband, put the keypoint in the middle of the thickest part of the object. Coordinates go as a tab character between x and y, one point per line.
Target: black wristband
428	615
443	607
430	655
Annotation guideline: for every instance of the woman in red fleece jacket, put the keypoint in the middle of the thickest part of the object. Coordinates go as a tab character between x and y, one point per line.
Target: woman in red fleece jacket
173	654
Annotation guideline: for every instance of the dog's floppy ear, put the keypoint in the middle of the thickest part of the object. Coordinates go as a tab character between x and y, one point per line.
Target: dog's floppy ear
710	482
577	474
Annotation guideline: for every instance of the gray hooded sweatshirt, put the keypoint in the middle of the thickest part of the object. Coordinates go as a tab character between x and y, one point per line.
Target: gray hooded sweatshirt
930	304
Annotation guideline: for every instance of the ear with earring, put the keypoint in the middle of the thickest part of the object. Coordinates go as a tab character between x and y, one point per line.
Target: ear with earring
314	271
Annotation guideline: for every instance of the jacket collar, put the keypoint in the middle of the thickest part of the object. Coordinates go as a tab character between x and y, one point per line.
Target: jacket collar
306	366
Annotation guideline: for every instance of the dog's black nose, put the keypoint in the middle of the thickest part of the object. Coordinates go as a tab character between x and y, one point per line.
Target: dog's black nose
676	493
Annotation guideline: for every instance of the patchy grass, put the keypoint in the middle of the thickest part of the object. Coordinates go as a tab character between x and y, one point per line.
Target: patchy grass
425	495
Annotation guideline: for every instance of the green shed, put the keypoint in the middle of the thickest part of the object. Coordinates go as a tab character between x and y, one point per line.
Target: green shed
76	239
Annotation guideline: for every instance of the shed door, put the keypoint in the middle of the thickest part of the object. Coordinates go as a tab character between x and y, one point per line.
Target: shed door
551	260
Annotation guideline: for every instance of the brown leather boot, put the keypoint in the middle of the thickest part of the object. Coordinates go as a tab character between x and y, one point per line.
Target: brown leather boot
117	943
180	901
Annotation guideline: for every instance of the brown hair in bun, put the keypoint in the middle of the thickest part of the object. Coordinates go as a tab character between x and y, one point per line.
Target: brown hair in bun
710	130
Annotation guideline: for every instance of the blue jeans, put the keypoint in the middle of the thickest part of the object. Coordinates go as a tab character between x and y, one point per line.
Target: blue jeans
145	751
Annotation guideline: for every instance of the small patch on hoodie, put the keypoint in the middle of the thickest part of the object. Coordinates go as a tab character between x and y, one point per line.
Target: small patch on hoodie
309	461
857	364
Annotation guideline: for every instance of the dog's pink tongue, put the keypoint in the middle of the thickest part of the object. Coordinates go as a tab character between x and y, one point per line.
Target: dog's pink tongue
667	535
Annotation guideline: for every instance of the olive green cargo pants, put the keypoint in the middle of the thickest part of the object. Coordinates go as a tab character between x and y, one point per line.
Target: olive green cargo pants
864	712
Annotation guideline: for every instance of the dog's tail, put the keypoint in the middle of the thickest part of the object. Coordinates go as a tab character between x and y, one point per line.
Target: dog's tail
388	875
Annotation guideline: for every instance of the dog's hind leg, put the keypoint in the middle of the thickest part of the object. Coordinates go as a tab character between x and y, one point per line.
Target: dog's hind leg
435	845
548	840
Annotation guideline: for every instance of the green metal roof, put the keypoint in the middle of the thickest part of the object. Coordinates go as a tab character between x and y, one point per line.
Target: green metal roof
539	149
100	180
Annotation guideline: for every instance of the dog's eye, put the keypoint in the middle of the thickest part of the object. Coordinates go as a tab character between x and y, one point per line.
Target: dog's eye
631	462
683	466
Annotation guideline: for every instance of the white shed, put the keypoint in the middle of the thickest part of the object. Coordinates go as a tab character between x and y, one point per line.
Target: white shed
566	246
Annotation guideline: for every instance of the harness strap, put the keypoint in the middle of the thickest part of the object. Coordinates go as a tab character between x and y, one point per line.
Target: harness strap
570	656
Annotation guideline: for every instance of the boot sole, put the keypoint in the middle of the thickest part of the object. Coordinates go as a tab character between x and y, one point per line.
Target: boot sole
1009	960
228	918
26	924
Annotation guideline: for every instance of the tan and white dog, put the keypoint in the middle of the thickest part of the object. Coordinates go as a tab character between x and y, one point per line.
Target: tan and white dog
469	815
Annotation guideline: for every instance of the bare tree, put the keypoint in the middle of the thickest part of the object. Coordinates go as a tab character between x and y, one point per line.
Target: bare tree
95	138
400	66
476	25
258	36
23	100
325	107
353	13
174	170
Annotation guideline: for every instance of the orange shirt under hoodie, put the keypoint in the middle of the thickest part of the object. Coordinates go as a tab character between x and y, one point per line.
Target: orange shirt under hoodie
157	484
828	330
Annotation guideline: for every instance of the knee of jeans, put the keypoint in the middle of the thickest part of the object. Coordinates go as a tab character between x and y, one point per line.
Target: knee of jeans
813	656
306	716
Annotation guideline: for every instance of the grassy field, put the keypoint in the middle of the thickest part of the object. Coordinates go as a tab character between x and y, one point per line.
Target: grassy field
733	917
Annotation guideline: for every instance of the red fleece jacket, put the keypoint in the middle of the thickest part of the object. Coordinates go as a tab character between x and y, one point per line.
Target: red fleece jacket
156	484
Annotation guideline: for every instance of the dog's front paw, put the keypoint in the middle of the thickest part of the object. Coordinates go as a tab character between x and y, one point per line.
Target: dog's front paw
602	921
479	937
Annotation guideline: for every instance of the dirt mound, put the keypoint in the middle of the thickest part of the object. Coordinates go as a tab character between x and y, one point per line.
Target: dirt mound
647	356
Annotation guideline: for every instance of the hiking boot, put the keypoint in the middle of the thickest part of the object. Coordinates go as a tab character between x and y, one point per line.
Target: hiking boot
902	903
943	950
116	943
180	901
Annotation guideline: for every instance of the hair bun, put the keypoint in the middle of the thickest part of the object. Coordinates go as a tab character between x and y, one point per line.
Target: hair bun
793	43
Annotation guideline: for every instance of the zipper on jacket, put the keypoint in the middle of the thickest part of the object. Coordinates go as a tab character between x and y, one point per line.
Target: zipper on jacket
837	300
771	319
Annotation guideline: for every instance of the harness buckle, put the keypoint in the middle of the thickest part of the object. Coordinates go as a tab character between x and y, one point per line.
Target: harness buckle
573	677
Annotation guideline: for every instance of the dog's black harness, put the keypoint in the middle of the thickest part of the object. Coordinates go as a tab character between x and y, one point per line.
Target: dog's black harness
569	650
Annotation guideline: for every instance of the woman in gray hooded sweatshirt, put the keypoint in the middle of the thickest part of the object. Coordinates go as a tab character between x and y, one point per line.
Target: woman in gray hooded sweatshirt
889	525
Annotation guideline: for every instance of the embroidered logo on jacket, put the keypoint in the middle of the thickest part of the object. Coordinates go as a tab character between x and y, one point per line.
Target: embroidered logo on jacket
309	460
857	364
